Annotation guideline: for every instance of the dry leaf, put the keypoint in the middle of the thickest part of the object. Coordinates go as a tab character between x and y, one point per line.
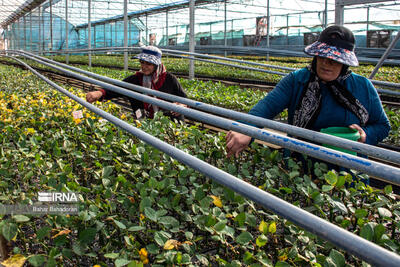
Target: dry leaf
63	232
170	244
16	260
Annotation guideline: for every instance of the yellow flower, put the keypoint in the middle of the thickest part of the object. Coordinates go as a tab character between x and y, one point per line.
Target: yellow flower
77	121
143	255
142	217
96	265
30	131
282	257
217	201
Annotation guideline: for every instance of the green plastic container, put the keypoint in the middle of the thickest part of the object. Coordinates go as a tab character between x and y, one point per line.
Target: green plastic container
343	132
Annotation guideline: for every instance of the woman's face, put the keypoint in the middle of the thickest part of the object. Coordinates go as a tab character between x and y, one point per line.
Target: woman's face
327	69
147	67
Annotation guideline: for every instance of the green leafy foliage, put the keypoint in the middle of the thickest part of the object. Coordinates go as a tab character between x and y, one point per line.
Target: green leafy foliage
140	206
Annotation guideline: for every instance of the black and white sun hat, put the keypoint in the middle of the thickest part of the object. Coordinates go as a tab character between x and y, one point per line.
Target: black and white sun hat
150	54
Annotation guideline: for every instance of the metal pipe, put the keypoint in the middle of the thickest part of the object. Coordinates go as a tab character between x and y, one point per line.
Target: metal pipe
375	82
388	173
230	59
166	28
40	31
191	38
350	242
89	33
314	136
268	27
231	65
24	18
125	34
66	31
326	14
30	31
225	40
51	25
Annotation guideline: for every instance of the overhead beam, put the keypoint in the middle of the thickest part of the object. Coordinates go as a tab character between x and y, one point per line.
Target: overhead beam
150	11
26	7
359	2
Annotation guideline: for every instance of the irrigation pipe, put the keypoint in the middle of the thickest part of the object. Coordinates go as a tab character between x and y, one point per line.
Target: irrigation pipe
118	49
386	172
234	66
350	242
381	83
290	129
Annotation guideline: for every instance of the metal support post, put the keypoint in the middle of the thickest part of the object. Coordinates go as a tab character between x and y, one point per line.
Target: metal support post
40	31
166	28
225	42
268	27
147	32
51	27
24	18
125	34
326	15
191	38
339	12
89	33
66	32
287	30
30	31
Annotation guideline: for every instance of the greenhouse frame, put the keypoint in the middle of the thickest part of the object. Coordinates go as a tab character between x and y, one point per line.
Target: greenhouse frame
266	154
66	24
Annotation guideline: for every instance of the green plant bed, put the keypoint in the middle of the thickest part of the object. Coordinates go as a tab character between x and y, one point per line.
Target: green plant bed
232	97
140	206
179	65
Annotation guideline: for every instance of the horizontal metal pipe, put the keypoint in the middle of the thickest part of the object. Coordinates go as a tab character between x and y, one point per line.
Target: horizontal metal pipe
121	49
386	172
355	245
235	66
229	59
314	136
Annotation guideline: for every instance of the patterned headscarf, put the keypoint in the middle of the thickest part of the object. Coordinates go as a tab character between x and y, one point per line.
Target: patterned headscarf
153	81
309	105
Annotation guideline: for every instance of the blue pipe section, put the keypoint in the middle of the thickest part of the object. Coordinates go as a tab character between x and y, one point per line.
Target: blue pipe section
355	245
386	172
358	147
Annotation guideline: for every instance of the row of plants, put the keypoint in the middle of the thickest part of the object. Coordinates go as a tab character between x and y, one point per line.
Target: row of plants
180	66
231	96
141	207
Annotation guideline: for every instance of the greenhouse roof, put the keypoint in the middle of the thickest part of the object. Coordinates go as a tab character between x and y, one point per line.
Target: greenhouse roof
10	10
207	11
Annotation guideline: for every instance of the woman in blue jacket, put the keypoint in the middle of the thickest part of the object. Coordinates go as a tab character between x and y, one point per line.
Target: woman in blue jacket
324	94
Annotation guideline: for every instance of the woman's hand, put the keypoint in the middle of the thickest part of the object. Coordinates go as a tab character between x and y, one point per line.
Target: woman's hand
93	96
176	114
363	135
236	143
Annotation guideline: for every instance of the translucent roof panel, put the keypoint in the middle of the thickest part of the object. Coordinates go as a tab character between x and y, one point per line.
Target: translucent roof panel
7	7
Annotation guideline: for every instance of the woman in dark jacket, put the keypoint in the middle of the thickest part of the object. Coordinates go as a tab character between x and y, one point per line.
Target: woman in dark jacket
325	94
152	75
